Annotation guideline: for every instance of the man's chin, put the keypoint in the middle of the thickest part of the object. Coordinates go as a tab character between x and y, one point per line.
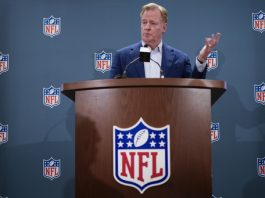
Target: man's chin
147	41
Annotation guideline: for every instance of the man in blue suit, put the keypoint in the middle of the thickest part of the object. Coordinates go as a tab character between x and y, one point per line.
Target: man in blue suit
172	62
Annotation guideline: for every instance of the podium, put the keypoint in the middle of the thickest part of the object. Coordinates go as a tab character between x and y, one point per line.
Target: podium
182	104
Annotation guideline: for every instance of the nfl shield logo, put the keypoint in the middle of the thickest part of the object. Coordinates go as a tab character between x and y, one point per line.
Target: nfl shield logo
212	60
4	62
259	93
261	166
51	168
51	96
103	61
3	133
215	132
141	155
51	26
258	21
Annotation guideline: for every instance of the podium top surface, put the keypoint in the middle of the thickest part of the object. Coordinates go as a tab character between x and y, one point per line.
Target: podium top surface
217	87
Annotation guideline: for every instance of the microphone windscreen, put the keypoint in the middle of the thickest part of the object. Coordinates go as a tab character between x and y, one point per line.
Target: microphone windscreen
145	53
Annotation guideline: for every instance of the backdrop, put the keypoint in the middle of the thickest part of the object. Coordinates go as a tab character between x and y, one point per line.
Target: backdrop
45	43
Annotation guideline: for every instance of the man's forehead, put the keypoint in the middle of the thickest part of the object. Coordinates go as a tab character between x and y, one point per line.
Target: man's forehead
153	11
155	14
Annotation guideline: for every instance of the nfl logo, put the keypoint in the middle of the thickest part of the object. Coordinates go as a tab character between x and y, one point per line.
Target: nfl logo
212	60
51	96
4	62
215	132
51	26
141	155
103	61
259	93
261	166
51	168
258	21
3	133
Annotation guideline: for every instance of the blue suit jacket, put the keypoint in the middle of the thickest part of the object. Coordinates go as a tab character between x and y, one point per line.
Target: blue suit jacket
175	63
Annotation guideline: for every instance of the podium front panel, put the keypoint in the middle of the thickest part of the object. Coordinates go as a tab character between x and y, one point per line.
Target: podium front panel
186	110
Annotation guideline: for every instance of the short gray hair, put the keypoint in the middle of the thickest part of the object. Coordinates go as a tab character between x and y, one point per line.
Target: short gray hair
153	6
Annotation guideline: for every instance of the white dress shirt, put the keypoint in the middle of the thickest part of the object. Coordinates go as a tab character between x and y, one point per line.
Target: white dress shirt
152	69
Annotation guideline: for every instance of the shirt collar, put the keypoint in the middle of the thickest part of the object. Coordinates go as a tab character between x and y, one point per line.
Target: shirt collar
158	48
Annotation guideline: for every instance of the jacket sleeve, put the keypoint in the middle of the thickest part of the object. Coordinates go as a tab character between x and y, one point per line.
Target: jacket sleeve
187	68
116	68
197	74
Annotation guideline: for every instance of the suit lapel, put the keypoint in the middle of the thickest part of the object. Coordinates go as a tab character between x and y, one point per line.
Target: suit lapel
167	58
138	66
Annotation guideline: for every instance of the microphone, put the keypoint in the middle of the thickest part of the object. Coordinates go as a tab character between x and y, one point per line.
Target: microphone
145	53
148	60
144	57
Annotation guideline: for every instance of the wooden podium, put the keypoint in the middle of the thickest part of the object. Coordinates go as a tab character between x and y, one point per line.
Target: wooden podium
183	104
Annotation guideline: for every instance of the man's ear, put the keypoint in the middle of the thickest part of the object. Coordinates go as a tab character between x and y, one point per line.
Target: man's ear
165	27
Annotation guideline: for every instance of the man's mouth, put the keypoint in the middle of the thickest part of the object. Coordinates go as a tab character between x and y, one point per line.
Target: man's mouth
147	34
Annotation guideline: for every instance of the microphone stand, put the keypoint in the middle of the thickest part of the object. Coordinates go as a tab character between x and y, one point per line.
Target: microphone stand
161	70
125	69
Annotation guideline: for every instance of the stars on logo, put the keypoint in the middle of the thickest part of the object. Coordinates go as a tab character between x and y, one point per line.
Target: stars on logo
162	135
129	144
124	140
129	136
152	135
120	136
152	144
120	144
162	144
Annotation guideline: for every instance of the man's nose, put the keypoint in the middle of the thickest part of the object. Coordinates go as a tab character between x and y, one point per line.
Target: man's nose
147	26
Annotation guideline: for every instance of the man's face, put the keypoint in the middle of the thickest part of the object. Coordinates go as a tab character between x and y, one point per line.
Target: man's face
152	27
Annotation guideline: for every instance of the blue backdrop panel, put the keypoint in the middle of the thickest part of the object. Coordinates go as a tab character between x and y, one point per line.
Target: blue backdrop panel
36	61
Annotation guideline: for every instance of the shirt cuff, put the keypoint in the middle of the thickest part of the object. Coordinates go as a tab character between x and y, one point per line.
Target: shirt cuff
200	66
